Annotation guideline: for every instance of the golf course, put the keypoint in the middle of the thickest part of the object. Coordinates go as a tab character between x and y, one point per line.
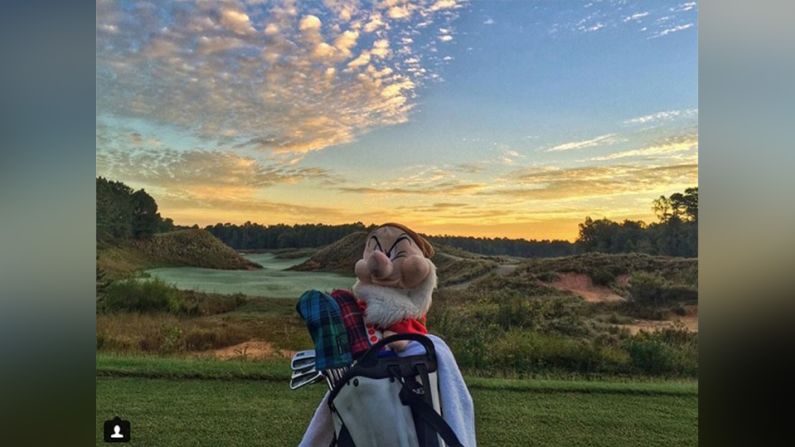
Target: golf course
194	340
176	402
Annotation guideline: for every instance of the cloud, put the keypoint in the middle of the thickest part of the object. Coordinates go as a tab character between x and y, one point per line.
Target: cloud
309	23
440	189
684	7
423	180
283	77
399	12
594	181
636	16
470	168
596	16
671	30
666	147
236	21
669	115
346	41
595	27
444	4
489	21
374	23
381	48
603	140
203	169
361	60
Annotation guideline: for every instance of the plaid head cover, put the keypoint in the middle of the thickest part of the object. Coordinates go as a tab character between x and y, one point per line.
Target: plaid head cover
353	320
324	321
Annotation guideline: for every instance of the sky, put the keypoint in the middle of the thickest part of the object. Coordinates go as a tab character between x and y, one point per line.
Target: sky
485	118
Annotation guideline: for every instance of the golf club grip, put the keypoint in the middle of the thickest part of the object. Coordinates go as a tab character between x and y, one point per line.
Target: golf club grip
370	356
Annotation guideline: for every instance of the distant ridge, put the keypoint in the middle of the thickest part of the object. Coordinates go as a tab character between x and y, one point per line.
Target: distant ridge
454	266
338	257
191	247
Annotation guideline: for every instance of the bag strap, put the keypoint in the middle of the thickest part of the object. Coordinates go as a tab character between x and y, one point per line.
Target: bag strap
370	357
427	414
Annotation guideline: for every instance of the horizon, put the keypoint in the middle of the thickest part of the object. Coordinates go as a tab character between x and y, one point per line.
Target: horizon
484	119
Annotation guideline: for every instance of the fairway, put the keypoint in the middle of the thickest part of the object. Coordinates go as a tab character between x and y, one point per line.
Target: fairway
273	280
239	412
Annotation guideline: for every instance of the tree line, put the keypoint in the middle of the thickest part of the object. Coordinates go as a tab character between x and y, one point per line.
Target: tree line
675	233
511	247
124	213
254	236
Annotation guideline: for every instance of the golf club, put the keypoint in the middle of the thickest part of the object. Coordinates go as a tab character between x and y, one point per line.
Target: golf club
305	371
302	359
305	379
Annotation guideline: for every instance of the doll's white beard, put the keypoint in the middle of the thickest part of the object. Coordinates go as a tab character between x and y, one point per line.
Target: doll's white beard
389	305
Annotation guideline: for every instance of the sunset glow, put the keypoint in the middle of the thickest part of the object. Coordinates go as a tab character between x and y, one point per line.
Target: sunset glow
500	119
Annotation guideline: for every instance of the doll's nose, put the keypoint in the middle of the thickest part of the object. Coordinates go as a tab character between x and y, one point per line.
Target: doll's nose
379	265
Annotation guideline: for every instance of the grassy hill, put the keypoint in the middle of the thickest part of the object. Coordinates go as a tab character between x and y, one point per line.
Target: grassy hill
457	267
192	247
454	266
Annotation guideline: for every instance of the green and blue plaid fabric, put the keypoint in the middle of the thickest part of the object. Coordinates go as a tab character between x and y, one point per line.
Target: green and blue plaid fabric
324	321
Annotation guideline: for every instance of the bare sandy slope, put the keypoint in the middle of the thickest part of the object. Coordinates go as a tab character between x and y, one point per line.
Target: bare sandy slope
582	285
250	350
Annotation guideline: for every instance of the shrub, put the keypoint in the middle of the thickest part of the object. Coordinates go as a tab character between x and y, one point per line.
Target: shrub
669	352
530	352
548	276
154	295
602	277
651	289
140	296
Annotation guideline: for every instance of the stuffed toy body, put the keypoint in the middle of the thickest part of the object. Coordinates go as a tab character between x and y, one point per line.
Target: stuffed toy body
392	295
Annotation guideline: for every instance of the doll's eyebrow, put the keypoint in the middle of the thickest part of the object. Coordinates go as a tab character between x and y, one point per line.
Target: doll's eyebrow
377	243
402	237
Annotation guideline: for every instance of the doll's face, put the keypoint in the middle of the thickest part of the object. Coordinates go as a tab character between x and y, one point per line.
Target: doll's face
392	259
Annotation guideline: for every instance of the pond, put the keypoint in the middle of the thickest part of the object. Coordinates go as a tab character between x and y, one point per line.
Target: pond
273	281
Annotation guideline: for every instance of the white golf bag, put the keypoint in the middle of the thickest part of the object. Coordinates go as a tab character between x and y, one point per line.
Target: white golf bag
390	401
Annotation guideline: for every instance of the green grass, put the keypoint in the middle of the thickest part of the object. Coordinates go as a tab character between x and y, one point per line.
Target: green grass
183	401
191	247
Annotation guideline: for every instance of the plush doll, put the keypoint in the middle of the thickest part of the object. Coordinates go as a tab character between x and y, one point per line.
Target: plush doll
395	281
392	295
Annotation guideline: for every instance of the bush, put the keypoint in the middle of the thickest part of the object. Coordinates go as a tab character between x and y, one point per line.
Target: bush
531	352
602	277
651	289
667	352
140	296
154	295
548	276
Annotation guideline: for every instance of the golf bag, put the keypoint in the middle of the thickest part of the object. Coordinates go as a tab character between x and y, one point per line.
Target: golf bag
390	401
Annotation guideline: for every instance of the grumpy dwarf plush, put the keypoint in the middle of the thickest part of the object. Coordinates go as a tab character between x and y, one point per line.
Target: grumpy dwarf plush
395	280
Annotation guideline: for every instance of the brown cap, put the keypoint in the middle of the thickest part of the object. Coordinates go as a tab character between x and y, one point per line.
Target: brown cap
422	243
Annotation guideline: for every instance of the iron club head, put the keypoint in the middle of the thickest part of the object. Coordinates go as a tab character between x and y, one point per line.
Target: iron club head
309	370
305	379
302	359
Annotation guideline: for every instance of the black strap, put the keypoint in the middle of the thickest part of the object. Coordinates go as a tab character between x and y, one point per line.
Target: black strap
343	439
428	415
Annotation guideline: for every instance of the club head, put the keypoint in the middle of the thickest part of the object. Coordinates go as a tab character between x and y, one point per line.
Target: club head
302	359
305	379
309	370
